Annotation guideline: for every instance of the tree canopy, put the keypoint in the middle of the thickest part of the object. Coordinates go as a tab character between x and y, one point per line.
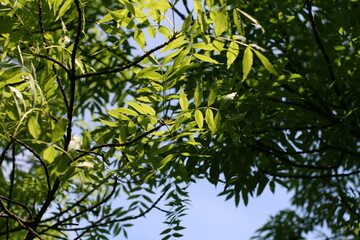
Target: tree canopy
134	100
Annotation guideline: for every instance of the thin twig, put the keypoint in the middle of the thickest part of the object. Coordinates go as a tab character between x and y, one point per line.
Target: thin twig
120	144
20	220
47	175
107	198
129	65
52	60
17	203
285	175
98	224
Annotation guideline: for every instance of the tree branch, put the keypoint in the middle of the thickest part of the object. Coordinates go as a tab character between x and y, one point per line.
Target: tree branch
120	144
52	60
285	175
20	220
98	224
129	65
47	175
107	198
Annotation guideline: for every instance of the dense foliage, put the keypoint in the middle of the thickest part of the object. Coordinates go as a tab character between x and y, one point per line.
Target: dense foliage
135	99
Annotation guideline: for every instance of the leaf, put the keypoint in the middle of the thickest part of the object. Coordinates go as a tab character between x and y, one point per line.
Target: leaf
116	114
149	110
232	53
198	95
209	118
34	127
184	103
266	62
63	9
199	118
59	130
220	22
166	159
137	107
49	154
139	37
247	62
255	22
205	58
213	94
127	111
217	122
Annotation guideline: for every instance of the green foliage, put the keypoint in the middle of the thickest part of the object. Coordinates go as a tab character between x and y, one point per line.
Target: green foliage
108	100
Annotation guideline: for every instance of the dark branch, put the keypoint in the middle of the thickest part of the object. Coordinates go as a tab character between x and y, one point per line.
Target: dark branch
47	175
129	65
121	144
53	60
285	175
17	203
107	198
98	222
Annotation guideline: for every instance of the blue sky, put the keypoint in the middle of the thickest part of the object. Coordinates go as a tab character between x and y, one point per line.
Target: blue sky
213	218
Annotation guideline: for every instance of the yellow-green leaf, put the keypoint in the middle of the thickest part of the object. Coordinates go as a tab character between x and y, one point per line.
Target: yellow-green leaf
205	58
59	130
266	62
116	114
209	118
213	94
198	95
247	62
137	107
49	154
184	103
139	37
221	22
199	118
232	53
34	127
149	110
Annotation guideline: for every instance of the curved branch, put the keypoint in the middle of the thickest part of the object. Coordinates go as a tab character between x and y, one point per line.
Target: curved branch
107	198
285	175
20	220
47	175
131	64
98	224
120	144
53	60
17	203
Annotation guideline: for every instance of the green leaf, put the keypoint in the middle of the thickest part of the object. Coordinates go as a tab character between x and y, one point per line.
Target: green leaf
149	110
205	58
266	62
184	103
166	159
220	22
199	118
209	118
49	154
217	122
127	111
34	126
63	9
198	95
232	53
59	130
213	94
247	62
137	107
116	114
139	37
